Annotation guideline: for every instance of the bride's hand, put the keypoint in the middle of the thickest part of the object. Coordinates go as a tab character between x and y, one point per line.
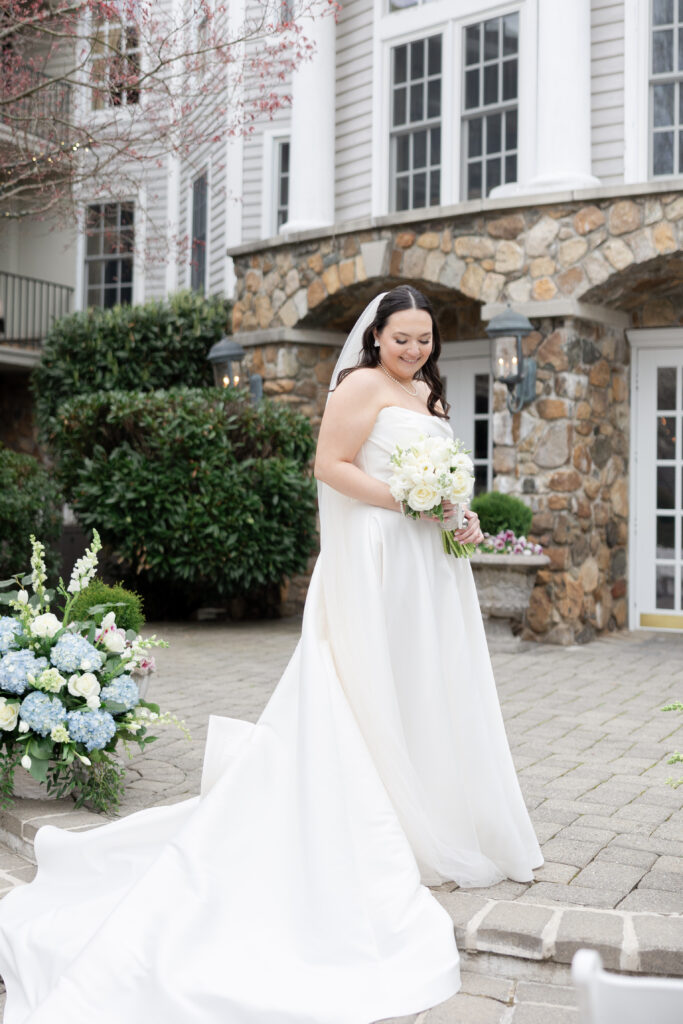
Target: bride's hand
471	532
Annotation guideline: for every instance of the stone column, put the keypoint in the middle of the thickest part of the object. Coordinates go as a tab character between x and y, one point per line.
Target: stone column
563	101
311	149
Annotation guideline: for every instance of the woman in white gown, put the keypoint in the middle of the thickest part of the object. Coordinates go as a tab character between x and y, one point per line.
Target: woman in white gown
292	890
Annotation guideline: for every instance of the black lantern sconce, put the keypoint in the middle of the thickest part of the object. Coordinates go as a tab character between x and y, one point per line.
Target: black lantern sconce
226	360
508	363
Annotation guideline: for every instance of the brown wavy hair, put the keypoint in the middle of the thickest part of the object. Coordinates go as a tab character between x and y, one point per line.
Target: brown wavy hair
398	299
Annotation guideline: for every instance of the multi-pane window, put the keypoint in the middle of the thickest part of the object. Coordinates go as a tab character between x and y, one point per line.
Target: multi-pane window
481	453
110	238
115	68
199	219
490	99
281	183
666	87
416	124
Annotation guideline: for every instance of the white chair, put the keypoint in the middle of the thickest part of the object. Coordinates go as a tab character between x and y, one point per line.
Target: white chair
606	998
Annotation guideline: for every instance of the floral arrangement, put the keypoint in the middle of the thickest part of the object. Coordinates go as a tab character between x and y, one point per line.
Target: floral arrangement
69	690
429	472
506	543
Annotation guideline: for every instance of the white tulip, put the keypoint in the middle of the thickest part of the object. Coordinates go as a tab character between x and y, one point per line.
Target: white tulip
26	762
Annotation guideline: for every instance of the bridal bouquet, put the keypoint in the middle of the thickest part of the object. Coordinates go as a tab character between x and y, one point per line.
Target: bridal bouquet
68	690
433	470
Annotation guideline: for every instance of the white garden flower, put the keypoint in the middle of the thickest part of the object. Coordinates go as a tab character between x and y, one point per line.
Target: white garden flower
85	685
50	680
84	569
45	625
60	734
23	726
108	622
460	485
26	762
423	497
114	641
9	713
93	702
22	597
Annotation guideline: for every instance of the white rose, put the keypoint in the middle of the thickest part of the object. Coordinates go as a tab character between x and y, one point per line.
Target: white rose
461	485
9	713
108	622
93	702
84	686
45	625
423	497
462	461
23	726
114	642
26	762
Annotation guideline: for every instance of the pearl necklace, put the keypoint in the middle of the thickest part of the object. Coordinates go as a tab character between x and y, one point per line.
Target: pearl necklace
412	393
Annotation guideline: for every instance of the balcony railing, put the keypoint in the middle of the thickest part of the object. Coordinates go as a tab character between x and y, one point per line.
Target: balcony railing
40	113
28	308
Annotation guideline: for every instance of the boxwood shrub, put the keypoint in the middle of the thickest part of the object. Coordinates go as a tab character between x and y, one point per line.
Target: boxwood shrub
30	502
126	605
194	489
145	347
499	511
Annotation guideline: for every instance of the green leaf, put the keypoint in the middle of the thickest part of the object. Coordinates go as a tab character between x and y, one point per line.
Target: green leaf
39	768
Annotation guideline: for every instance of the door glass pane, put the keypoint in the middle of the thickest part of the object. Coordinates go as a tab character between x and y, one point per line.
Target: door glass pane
665	586
666	486
480	479
481	393
481	439
665	536
666	437
666	388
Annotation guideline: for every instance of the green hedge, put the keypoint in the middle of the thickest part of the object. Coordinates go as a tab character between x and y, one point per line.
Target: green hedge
499	511
155	345
30	502
191	487
125	604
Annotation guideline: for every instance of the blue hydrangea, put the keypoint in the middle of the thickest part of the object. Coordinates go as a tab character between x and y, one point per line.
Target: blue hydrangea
42	712
93	729
73	652
15	666
123	690
9	629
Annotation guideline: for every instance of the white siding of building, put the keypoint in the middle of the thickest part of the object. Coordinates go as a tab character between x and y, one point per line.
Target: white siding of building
607	90
353	150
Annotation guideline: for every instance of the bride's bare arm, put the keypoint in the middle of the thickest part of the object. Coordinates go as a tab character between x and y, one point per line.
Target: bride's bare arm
348	419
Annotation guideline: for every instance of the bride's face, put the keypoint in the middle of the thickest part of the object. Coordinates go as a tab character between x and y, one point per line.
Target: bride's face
405	342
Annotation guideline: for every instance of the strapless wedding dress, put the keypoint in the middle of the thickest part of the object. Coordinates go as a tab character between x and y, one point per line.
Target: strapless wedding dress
292	890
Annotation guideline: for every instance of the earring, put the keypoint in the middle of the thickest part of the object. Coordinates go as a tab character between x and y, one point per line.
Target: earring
376	343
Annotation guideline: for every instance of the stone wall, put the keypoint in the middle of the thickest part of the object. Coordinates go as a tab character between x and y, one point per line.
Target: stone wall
567	456
295	374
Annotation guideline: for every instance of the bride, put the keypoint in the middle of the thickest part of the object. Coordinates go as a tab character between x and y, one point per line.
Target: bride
292	890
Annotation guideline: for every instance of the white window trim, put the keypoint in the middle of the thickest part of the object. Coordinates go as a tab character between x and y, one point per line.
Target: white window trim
271	138
187	276
636	91
417	23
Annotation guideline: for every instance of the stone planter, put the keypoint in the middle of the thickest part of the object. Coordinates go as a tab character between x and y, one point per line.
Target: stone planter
504	583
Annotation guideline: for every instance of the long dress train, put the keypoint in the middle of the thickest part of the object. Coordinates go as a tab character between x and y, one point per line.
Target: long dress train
292	890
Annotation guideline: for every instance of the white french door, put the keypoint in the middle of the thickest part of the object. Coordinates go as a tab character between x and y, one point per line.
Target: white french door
656	533
466	370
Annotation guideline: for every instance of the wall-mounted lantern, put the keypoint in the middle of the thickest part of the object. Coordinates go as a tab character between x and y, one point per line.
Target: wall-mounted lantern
509	365
226	360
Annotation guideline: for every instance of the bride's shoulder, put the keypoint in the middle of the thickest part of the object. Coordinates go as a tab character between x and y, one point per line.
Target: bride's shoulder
362	384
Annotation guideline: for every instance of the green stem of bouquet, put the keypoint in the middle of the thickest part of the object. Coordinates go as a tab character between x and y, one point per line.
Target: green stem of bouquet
453	547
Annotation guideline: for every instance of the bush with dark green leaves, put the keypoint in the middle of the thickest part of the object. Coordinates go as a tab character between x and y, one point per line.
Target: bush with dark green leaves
192	487
30	502
499	511
141	348
99	597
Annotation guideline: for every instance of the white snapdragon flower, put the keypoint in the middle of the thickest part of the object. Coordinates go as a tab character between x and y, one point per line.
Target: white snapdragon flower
84	569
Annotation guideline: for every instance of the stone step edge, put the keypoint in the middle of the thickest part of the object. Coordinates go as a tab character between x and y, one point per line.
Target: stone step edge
629	941
634	942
